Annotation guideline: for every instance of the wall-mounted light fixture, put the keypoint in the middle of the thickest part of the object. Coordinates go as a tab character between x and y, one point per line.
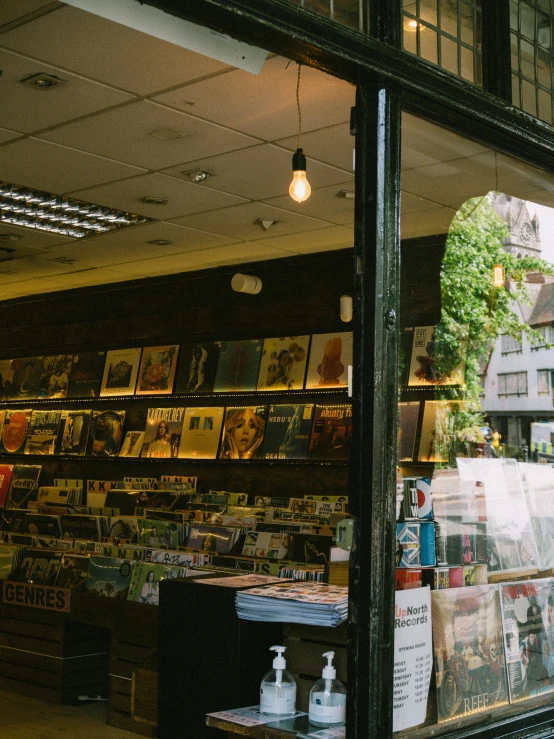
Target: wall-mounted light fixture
498	275
346	308
246	284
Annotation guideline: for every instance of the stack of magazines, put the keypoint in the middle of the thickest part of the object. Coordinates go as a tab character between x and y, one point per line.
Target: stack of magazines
295	602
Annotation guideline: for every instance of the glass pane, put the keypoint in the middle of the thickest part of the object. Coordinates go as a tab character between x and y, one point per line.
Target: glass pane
529	102
514	14
527	21
467	24
347	13
527	59
544	76
545	106
409	38
515	91
428	45
449	17
428	11
449	55
475	503
467	64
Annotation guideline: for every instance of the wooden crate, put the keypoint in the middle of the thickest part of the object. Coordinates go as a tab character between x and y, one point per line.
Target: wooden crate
305	645
47	655
134	652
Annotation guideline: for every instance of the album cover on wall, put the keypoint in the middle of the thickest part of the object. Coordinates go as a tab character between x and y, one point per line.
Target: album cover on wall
73	432
54	378
7	368
132	444
162	435
330	356
26	378
157	370
435	439
238	366
243	432
197	367
201	432
13	435
432	365
106	434
86	375
283	363
287	432
24	485
43	432
120	372
331	432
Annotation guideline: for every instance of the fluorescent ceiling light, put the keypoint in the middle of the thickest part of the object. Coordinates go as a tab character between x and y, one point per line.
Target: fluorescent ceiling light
45	211
177	31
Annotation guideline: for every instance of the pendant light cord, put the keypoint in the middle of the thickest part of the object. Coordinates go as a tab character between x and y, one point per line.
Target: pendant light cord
298	106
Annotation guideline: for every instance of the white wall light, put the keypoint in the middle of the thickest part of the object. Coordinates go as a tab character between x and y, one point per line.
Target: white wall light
246	284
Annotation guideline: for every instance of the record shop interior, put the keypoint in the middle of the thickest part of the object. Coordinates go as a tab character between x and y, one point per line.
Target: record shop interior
177	422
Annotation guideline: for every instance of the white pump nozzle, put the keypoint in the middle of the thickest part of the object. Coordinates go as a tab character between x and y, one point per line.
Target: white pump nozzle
279	662
329	672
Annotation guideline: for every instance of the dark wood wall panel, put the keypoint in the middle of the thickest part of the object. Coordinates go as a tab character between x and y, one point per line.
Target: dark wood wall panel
300	295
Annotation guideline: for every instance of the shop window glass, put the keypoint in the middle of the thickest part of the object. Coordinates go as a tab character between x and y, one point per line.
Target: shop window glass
346	12
532	64
475	508
446	33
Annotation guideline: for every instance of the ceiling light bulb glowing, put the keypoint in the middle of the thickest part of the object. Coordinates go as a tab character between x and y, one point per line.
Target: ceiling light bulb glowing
299	189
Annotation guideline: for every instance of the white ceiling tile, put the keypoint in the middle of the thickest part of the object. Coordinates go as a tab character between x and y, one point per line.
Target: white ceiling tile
264	105
7	135
13	10
239	253
183	239
323	203
124	134
426	224
333	145
239	221
162	265
184	198
424	143
98	254
334	237
29	109
58	169
30	238
259	172
414	203
109	52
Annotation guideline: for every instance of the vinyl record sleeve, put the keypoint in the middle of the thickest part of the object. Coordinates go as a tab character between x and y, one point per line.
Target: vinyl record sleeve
283	363
201	432
330	356
287	431
86	375
197	367
243	432
43	432
106	434
26	378
120	372
54	377
157	370
238	366
73	432
331	432
13	435
162	434
469	659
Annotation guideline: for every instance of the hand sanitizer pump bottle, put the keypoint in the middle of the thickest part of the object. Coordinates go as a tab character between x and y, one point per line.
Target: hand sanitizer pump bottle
328	698
278	688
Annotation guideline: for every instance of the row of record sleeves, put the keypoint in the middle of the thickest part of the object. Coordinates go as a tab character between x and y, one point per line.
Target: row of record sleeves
296	431
278	364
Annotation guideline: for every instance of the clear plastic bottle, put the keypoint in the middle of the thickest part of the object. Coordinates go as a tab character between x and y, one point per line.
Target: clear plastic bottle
278	688
327	698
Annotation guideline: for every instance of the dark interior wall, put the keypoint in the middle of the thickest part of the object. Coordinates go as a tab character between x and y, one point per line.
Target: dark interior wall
300	295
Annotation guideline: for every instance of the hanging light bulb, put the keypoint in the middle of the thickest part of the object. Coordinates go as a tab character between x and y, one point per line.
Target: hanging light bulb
299	189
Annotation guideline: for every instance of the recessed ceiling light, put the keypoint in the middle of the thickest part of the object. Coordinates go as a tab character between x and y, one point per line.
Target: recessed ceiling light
45	211
155	201
160	242
348	194
43	81
198	175
168	134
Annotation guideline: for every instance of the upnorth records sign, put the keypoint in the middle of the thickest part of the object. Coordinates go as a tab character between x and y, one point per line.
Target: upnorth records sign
36	596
